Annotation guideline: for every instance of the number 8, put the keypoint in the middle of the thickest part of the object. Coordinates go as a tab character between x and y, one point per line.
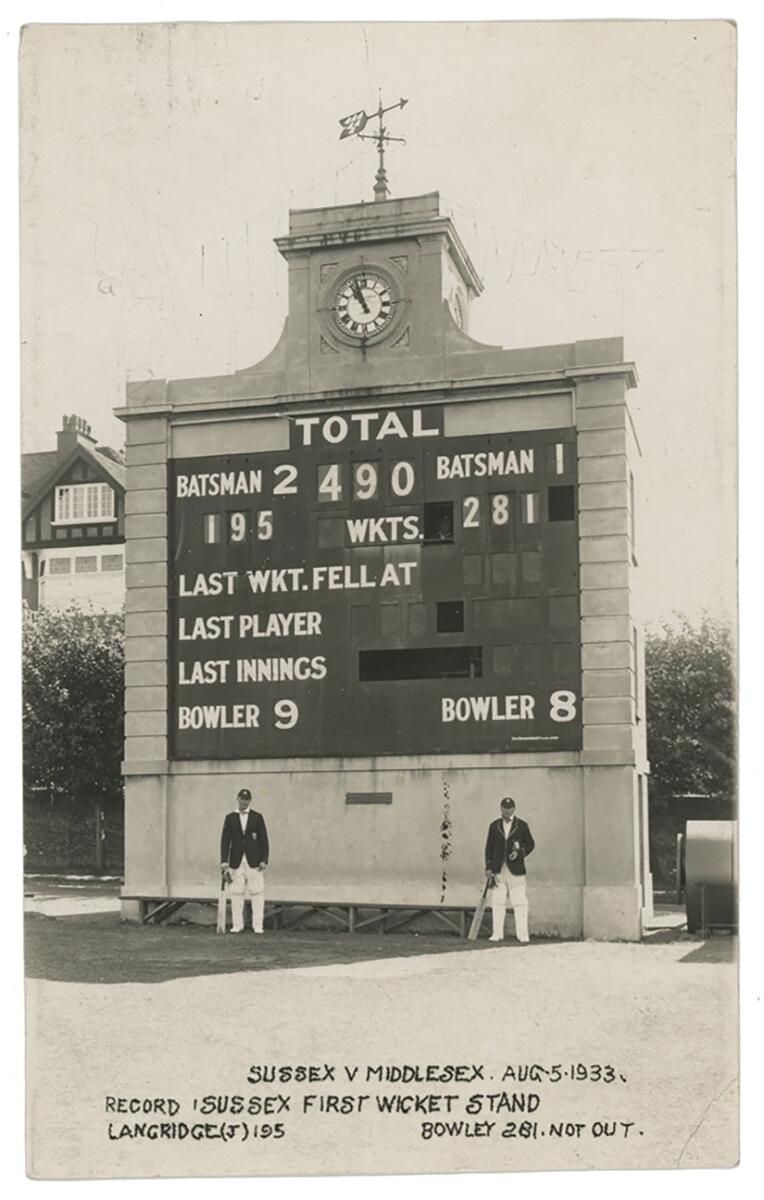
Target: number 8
562	706
500	509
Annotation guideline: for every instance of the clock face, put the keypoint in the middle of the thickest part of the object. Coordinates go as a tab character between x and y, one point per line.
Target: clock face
457	309
363	305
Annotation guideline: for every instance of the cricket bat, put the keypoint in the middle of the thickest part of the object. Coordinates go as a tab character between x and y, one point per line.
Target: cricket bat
477	920
222	900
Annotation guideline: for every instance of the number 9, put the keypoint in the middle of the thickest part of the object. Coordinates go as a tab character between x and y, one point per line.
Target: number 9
238	526
365	481
287	713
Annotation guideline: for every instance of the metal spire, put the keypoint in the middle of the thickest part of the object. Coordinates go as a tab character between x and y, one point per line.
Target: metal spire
354	125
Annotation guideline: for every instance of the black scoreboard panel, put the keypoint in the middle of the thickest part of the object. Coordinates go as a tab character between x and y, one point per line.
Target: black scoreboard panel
378	588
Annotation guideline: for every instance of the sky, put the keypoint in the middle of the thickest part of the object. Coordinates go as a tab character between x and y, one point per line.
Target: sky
589	168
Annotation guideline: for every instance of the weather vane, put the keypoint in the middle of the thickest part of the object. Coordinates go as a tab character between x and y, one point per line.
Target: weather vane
354	125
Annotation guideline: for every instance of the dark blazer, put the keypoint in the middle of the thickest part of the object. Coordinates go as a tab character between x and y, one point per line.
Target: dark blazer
252	843
497	850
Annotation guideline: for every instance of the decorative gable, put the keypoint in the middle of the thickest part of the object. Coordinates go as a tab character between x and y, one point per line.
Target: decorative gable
81	500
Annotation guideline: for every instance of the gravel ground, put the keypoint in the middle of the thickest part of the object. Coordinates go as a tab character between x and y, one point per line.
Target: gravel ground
200	1010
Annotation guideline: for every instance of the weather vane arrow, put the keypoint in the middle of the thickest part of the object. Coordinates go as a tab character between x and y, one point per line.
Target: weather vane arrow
354	125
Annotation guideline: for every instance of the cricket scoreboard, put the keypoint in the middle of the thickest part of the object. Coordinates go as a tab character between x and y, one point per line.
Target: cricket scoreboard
378	588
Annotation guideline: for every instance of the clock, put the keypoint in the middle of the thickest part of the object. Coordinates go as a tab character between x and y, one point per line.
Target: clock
363	305
457	309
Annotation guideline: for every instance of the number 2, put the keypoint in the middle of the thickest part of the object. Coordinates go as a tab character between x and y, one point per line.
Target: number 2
470	512
285	488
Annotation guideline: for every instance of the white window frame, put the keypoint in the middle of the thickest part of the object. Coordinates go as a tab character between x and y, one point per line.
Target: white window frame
57	572
86	558
97	504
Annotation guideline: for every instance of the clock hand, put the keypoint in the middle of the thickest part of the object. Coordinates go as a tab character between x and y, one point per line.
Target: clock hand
356	289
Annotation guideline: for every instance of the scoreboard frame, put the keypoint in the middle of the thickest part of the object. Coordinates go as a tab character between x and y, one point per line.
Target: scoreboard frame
411	592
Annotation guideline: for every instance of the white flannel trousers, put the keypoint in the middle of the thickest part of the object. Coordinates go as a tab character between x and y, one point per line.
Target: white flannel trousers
512	887
247	883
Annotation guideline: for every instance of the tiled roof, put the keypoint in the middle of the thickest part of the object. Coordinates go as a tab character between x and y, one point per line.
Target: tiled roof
116	469
34	468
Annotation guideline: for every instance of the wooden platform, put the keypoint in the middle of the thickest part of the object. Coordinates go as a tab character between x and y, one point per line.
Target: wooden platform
293	914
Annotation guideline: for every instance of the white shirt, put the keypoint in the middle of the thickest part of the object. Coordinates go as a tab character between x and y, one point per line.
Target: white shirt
507	826
243	818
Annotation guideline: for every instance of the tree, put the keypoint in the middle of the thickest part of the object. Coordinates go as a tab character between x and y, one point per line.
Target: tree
73	706
691	711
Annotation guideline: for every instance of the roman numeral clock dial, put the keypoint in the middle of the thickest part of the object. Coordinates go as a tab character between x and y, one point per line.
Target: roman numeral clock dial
363	306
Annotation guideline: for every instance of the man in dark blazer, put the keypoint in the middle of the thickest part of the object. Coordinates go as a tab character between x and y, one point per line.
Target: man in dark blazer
244	854
508	844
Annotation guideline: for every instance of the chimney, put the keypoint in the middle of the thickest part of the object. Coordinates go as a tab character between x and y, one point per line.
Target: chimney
74	431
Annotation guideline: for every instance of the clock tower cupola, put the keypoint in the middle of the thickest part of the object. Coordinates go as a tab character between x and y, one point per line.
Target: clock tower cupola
373	287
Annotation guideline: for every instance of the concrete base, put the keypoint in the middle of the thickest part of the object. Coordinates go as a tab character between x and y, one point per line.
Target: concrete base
130	910
423	849
613	913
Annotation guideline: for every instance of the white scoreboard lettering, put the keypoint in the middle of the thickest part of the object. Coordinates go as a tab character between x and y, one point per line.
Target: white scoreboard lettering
416	593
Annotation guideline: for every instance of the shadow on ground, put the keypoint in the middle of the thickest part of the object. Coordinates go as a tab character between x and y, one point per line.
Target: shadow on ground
718	948
99	948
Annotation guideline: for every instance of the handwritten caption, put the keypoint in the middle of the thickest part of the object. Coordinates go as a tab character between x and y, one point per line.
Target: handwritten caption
434	1101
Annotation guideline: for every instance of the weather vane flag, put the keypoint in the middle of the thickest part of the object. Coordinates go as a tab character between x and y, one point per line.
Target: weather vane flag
354	125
